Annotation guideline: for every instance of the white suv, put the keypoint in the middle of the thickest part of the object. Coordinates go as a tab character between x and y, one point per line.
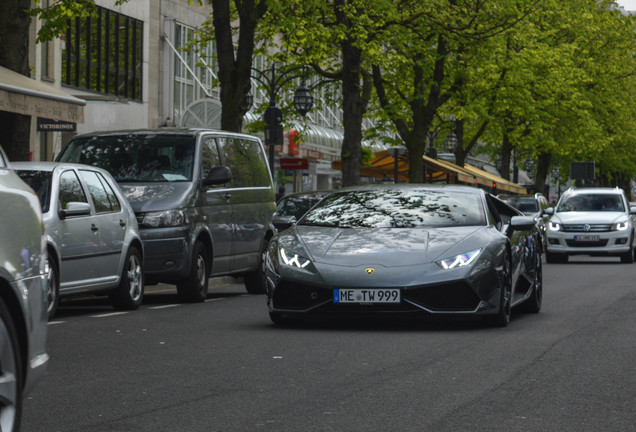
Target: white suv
592	221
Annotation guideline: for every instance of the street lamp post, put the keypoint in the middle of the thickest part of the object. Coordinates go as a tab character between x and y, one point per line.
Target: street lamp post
272	81
396	151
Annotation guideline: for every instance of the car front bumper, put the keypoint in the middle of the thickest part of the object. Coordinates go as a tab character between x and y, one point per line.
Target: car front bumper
604	243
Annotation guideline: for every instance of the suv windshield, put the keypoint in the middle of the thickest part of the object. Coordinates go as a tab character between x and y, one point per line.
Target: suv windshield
136	158
591	202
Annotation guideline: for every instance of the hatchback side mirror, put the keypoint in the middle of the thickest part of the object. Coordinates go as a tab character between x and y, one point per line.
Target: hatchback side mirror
74	209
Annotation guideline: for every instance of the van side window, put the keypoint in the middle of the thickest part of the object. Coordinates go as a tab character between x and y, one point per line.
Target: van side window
247	162
71	189
209	156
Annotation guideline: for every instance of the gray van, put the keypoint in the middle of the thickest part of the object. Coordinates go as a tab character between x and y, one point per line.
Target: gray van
204	201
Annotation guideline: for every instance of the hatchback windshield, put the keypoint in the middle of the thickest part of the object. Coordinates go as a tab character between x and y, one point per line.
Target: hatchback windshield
397	208
136	158
591	202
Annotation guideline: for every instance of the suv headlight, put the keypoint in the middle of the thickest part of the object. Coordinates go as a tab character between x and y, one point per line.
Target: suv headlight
620	226
554	226
459	260
166	218
293	259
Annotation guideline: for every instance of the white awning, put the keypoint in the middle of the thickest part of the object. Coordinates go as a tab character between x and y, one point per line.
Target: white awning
23	95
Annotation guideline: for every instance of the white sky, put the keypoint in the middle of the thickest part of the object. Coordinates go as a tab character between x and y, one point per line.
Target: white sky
627	4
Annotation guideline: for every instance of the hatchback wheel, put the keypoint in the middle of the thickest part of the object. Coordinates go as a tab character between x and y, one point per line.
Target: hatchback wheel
130	292
52	287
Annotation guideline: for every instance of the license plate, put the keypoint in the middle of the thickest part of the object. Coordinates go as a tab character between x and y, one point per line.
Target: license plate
387	295
587	238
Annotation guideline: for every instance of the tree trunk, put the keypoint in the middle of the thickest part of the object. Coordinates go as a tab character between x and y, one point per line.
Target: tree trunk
14	55
234	72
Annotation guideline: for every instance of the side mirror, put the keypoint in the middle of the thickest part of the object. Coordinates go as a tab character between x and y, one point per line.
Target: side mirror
549	211
281	223
74	209
522	223
632	210
217	175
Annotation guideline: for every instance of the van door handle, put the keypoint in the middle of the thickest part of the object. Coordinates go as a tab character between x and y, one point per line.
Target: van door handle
94	227
228	196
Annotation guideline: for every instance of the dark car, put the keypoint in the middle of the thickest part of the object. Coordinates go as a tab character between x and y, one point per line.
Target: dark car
293	206
406	248
531	205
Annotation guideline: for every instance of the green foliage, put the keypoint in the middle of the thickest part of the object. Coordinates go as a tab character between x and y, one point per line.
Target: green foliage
55	17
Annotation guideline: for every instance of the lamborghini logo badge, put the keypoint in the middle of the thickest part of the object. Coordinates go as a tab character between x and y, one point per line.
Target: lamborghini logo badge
369	270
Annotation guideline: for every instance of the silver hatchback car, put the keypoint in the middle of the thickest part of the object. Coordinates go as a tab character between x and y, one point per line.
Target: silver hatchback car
92	235
23	302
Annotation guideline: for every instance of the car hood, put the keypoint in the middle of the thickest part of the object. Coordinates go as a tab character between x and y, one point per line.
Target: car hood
575	218
145	197
382	246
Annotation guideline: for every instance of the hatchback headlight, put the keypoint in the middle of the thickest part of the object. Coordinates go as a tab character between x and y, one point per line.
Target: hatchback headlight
620	226
293	259
459	260
554	226
166	218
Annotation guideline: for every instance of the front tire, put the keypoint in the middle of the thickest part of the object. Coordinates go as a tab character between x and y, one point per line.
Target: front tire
256	281
11	376
130	292
194	288
628	257
533	303
502	318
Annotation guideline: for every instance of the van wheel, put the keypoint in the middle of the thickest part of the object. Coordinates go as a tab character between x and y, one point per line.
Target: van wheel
52	287
10	373
194	288
130	292
255	282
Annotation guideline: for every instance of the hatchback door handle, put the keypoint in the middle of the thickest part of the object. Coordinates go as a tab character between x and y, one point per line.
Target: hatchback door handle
94	227
122	223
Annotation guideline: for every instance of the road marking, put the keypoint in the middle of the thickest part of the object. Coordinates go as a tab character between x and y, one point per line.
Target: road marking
214	299
164	306
109	314
56	322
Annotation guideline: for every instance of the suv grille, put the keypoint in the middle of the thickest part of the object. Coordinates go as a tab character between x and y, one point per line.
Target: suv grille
592	228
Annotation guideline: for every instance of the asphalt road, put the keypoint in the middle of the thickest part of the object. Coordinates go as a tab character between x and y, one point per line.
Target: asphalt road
222	366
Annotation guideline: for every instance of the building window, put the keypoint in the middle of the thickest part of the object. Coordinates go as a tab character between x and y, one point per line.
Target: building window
192	61
103	53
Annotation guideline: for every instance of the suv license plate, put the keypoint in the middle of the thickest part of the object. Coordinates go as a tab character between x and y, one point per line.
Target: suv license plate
587	238
387	295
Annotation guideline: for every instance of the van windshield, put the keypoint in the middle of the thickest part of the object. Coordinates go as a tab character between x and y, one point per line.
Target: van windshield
136	158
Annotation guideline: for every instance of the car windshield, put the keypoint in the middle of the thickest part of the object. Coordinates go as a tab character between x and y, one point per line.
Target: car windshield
397	208
524	205
296	205
40	181
136	158
591	202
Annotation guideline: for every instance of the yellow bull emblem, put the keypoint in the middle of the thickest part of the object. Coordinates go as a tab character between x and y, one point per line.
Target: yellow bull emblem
369	270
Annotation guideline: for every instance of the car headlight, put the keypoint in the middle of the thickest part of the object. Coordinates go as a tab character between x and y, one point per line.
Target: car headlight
554	226
459	260
293	259
620	226
166	218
